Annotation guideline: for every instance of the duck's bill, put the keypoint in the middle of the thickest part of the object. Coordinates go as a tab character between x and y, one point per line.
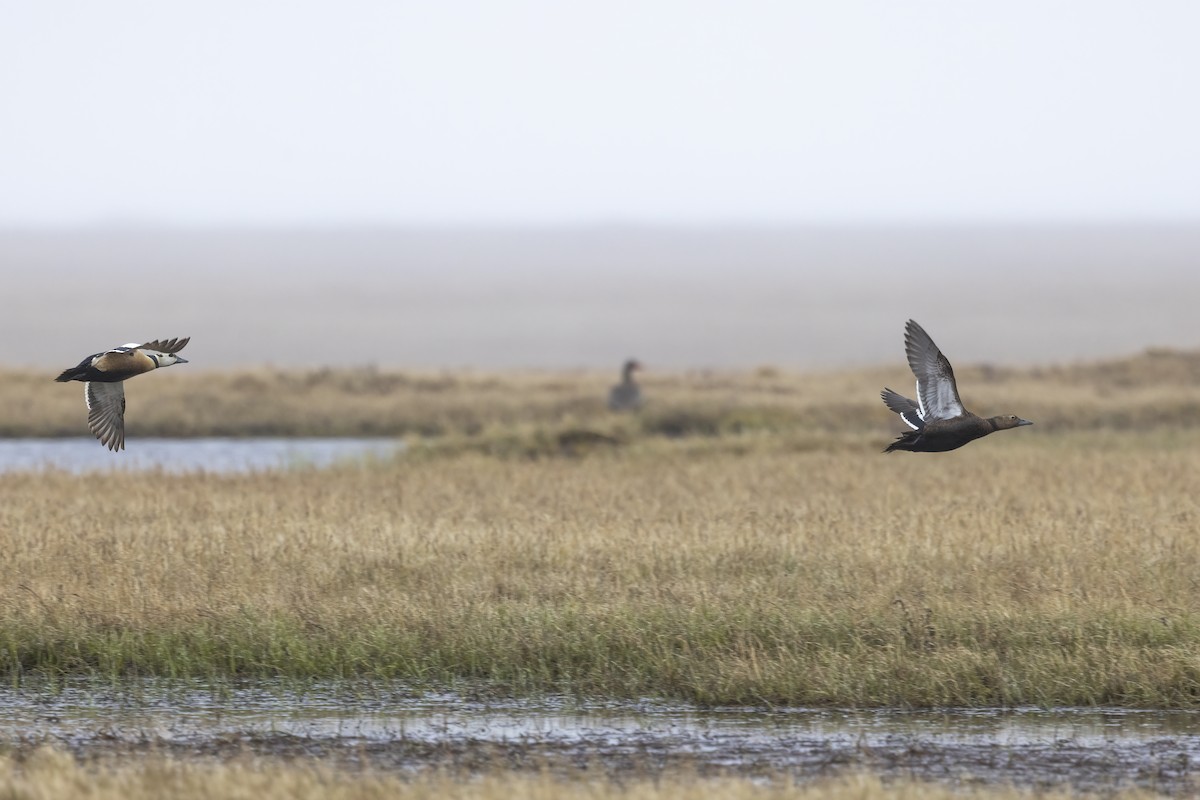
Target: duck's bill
1021	422
179	360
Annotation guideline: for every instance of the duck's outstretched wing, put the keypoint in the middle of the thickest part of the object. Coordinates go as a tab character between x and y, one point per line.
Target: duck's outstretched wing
166	345
106	412
909	411
937	394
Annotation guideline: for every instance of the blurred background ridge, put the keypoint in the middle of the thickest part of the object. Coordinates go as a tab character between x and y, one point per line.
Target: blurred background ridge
565	298
540	184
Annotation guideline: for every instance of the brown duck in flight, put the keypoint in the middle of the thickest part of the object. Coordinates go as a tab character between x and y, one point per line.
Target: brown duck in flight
938	420
103	373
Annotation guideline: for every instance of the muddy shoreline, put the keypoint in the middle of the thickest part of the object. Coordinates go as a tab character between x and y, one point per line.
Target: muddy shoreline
1093	750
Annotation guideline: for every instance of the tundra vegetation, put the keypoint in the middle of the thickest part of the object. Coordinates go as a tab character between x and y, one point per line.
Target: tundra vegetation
48	773
740	541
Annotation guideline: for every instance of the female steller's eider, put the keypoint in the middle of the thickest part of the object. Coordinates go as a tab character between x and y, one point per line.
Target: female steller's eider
103	373
938	420
626	395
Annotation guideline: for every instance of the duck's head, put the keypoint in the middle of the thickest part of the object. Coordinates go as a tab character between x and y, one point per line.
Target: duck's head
1006	421
166	359
631	365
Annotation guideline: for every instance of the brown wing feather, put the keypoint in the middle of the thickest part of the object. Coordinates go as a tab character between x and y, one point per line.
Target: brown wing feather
167	345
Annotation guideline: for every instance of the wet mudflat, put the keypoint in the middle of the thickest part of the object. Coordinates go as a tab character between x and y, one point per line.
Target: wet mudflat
1086	749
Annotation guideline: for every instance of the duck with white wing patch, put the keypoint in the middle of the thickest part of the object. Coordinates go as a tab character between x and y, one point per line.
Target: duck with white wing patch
103	374
938	420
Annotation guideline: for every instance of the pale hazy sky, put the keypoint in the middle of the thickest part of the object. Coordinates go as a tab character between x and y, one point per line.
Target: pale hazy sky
656	112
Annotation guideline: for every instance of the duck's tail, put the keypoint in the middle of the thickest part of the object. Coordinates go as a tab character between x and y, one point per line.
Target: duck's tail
906	441
73	374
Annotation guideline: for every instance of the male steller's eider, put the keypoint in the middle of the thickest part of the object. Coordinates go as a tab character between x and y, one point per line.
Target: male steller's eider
103	373
626	395
938	420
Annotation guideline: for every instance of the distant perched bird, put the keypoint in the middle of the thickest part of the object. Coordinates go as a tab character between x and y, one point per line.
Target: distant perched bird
626	395
938	420
103	373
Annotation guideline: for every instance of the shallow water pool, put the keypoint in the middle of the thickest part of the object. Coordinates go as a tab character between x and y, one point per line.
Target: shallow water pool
1086	749
210	454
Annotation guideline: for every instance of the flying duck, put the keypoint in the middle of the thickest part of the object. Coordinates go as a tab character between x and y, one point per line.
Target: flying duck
938	420
626	395
103	373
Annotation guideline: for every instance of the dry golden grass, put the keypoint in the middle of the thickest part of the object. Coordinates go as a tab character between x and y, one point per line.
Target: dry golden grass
1024	569
51	774
1155	389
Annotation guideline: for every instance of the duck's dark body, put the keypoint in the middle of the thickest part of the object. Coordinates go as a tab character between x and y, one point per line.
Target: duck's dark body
939	422
626	395
944	435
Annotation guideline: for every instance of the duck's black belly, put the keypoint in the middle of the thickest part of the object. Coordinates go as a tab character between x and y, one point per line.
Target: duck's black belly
943	441
943	435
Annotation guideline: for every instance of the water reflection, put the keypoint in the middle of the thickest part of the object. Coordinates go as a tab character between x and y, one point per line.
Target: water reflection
189	455
1088	749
